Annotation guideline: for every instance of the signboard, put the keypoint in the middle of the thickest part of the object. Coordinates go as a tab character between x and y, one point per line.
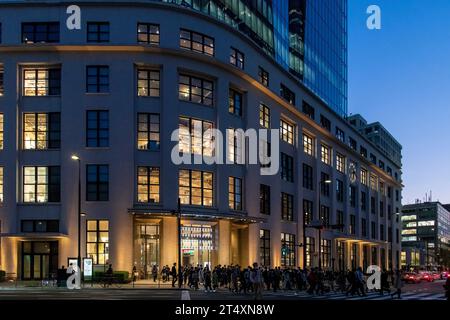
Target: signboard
87	267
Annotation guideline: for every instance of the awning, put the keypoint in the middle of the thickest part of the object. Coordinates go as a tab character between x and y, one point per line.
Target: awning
34	235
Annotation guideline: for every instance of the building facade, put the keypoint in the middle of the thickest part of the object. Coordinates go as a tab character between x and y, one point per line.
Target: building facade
425	235
113	93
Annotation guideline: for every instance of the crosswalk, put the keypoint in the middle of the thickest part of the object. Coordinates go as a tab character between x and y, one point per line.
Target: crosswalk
370	296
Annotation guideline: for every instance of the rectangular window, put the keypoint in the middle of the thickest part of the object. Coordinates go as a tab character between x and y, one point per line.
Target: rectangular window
235	102
2	142
97	182
340	134
288	247
287	94
340	219
196	187
374	182
308	110
325	187
41	131
339	190
148	33
40	32
264	199
287	167
308	177
352	224
363	201
287	132
325	122
97	135
264	247
373	230
352	191
381	209
325	154
42	82
197	42
148	83
382	235
148	184
2	84
235	193
340	163
326	253
41	184
97	79
308	144
307	211
352	143
97	241
195	90
263	76
237	58
363	227
310	249
31	226
373	158
373	207
325	215
148	134
364	175
98	32
236	146
363	151
287	207
195	137
264	116
2	176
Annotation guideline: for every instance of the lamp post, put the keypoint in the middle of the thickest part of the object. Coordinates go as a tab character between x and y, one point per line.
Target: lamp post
80	214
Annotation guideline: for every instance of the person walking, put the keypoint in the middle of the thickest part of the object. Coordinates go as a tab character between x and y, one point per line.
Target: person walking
398	284
257	280
359	278
174	274
447	288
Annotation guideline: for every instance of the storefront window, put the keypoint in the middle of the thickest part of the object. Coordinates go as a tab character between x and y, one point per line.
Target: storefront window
287	250
147	248
97	240
198	244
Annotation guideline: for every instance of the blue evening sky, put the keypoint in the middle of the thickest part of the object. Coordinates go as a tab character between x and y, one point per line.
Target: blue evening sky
400	76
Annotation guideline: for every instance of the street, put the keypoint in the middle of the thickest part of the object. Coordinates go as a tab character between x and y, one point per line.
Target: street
422	291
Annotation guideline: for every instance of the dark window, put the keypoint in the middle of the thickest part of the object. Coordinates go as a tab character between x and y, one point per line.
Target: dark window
97	79
236	58
389	171
195	89
382	235
325	187
363	227
2	85
397	236
308	110
234	102
325	215
373	207
307	177
148	134
40	225
339	190
397	195
363	151
287	207
264	247
198	42
352	224
389	234
363	201
98	32
307	211
352	143
373	230
325	123
264	199
381	164
287	94
352	191
340	219
389	212
340	134
389	192
381	209
40	32
263	76
42	82
235	193
97	182
148	83
148	33
287	167
97	135
373	158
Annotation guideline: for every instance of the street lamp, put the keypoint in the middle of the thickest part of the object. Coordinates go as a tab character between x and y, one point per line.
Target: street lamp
80	214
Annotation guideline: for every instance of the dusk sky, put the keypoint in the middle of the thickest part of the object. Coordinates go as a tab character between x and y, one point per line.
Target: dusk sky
400	76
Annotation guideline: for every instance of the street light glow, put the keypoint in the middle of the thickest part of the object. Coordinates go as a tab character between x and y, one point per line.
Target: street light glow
75	157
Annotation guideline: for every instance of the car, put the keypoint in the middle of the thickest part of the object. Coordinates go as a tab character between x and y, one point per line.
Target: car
411	277
444	275
436	275
426	276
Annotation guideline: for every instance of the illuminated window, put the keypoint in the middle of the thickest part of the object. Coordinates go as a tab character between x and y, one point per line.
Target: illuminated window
288	247
148	134
364	175
148	184
426	223
195	137
235	193
237	58
40	32
326	253
41	184
235	102
195	90
196	187
236	144
287	207
42	82
197	42
97	241
97	79
1	184
325	154
308	144
148	83
1	131
41	131
409	231
98	32
287	132
264	116
412	224
310	250
263	77
373	182
409	218
407	239
340	163
148	33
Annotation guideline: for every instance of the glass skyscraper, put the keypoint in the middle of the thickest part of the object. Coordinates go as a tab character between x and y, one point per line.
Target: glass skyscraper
306	37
